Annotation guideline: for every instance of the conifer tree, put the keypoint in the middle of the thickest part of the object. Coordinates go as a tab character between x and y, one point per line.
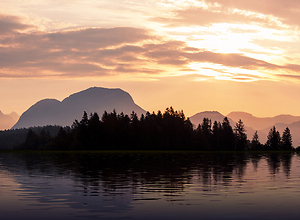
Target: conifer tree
227	136
255	144
274	140
240	135
32	140
286	141
217	129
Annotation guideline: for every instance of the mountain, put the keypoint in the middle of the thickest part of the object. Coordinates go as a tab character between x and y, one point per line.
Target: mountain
252	123
8	120
216	116
294	128
262	123
213	115
64	113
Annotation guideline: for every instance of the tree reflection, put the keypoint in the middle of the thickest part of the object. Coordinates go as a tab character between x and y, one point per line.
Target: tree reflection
286	160
168	172
276	160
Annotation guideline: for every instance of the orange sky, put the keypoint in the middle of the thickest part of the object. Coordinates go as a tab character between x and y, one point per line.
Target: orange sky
223	55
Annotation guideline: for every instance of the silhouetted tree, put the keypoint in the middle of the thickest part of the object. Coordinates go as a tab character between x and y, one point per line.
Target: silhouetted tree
255	144
274	140
200	141
32	141
95	132
240	135
62	141
227	136
206	128
286	140
170	130
44	139
84	121
216	135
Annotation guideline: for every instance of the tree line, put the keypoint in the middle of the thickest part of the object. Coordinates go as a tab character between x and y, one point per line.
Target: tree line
169	130
10	139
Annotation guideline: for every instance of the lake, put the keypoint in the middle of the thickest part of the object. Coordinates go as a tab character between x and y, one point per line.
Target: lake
149	185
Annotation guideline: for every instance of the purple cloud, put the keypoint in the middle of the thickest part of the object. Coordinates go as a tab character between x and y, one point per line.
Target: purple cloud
11	24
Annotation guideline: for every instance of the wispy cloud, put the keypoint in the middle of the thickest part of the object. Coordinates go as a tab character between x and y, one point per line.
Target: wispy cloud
199	16
265	12
286	11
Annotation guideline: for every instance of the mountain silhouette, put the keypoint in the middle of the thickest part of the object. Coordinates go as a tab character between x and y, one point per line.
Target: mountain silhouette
212	115
262	123
64	113
8	120
216	116
294	128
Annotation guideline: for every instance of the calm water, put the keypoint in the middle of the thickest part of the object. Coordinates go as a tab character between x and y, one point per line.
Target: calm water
149	186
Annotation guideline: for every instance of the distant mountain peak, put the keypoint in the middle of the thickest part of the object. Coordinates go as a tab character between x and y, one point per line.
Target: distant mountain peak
212	112
212	115
7	120
209	113
240	112
46	101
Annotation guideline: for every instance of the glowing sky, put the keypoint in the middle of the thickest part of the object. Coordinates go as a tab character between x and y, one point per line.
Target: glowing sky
223	55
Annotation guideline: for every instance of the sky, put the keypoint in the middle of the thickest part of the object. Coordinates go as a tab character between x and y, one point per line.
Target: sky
194	55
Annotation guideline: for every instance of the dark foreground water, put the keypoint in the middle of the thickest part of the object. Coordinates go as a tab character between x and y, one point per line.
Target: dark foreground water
149	186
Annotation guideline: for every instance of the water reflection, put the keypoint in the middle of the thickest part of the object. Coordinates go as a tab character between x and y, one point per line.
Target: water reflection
148	185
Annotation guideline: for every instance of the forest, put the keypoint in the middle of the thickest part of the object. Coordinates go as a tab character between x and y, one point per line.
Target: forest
169	130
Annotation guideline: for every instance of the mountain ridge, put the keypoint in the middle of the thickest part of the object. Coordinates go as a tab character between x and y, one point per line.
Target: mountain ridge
95	99
51	111
261	123
217	116
253	123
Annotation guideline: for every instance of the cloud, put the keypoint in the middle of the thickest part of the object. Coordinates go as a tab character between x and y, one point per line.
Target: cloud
293	77
91	37
285	10
243	62
81	39
233	60
243	31
204	17
11	24
111	51
80	52
268	13
172	53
